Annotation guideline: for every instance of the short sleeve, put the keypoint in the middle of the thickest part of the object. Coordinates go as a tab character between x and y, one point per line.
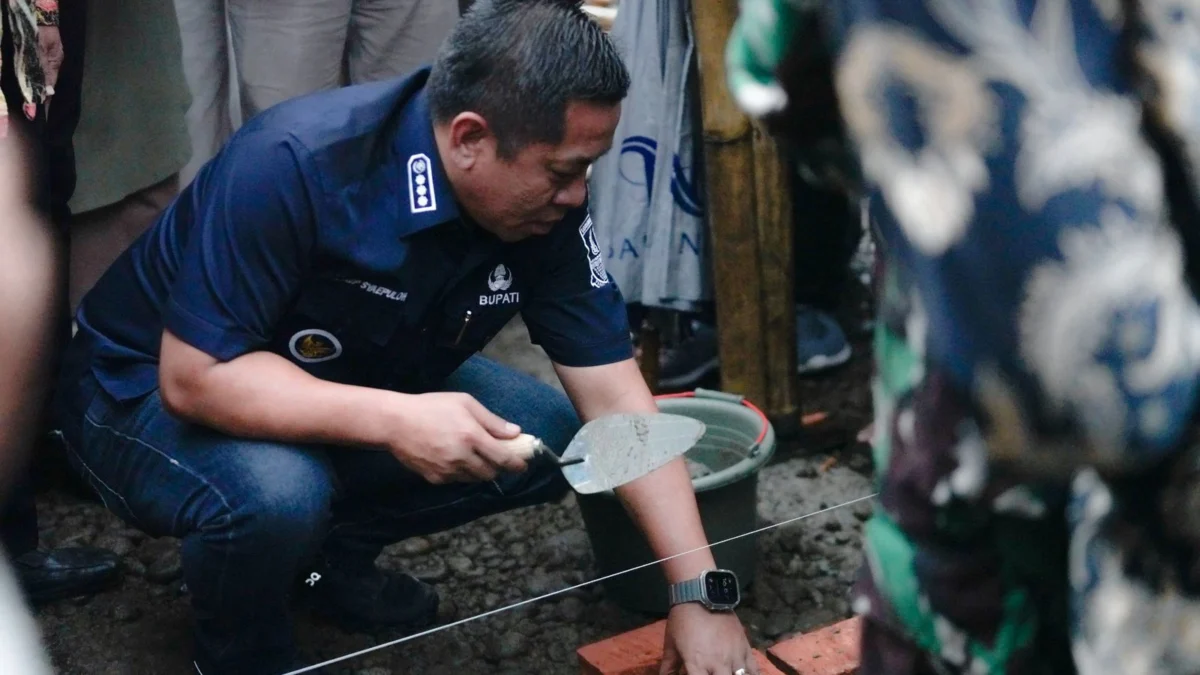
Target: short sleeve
249	245
576	312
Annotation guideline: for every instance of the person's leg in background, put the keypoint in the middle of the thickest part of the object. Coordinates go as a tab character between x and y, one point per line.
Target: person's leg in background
203	33
825	234
381	502
392	38
286	48
46	575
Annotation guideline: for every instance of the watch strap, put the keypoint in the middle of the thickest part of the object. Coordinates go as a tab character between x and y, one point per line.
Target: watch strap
691	590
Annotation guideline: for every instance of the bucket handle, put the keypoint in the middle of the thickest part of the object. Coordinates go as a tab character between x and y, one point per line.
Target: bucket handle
713	394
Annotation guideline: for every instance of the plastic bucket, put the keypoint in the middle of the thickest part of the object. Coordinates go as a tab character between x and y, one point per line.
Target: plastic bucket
737	442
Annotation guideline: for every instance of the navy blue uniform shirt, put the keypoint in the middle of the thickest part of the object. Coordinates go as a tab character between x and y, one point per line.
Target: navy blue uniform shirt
326	232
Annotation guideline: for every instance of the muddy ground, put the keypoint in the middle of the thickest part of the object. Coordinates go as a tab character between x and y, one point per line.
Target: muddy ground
804	571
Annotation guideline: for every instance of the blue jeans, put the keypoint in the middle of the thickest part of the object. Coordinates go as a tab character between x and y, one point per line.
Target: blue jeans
251	513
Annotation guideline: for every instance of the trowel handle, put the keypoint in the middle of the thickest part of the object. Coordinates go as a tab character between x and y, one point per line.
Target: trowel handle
525	446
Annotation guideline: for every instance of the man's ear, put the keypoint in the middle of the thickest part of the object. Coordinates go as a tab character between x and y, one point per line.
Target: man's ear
470	139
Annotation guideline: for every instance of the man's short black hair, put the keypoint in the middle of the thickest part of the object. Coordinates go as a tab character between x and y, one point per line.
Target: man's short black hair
518	63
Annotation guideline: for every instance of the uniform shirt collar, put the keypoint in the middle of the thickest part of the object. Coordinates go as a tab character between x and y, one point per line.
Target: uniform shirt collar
425	197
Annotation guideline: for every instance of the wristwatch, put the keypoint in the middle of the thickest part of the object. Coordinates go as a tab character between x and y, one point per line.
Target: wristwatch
717	590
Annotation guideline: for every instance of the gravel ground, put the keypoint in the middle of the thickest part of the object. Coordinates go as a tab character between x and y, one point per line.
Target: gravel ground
805	568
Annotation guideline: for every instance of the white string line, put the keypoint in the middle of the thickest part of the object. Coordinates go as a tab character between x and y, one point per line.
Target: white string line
438	629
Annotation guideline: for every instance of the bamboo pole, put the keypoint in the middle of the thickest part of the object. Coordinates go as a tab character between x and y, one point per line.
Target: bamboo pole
749	216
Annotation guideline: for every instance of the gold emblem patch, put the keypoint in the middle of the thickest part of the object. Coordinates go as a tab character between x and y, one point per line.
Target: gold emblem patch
314	345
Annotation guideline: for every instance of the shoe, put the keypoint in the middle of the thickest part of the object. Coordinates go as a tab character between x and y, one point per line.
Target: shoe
685	365
363	600
57	574
820	342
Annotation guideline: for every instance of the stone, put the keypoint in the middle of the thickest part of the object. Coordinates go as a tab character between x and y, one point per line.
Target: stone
818	597
165	569
135	567
414	546
541	583
115	543
124	612
833	525
823	565
431	569
570	609
778	623
508	645
843	538
806	471
377	670
459	564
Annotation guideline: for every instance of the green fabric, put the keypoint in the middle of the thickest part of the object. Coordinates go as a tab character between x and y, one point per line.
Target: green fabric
132	131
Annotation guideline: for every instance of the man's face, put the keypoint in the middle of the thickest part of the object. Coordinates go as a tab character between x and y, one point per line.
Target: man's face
529	193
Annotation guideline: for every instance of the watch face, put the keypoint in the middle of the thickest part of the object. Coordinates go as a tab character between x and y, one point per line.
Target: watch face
721	587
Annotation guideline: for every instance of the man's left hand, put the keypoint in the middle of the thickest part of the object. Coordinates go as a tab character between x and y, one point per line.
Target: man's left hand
50	54
700	642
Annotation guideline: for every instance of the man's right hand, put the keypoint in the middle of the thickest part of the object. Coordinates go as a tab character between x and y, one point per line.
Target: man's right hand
451	437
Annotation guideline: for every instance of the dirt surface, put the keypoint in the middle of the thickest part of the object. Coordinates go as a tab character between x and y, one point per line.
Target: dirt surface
804	572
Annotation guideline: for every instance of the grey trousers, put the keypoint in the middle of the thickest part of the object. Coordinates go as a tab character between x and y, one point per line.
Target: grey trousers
243	56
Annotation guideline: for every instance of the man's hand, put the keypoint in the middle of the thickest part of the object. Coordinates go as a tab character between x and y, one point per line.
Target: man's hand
451	437
50	54
700	642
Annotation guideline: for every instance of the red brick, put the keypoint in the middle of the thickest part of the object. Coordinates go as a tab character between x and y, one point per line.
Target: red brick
832	650
639	652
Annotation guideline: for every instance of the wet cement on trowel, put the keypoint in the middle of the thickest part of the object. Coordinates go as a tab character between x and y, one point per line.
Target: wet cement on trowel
626	449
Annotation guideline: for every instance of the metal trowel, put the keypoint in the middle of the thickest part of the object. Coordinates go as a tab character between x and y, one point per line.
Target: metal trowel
613	450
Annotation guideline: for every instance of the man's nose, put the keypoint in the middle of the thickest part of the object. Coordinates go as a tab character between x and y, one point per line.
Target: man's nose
573	194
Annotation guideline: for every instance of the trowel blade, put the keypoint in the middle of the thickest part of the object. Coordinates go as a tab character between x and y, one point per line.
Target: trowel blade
617	449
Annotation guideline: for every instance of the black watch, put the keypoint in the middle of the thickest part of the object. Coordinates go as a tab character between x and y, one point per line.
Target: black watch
717	590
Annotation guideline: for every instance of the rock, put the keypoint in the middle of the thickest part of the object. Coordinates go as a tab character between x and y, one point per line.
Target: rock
541	583
818	597
859	462
125	612
414	546
564	548
832	525
823	565
778	623
135	567
469	549
491	601
806	471
863	510
811	571
166	568
81	600
447	610
136	536
378	670
795	566
518	549
115	543
843	538
509	645
431	569
459	564
570	609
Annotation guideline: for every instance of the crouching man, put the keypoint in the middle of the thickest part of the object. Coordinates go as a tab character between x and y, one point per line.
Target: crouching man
283	371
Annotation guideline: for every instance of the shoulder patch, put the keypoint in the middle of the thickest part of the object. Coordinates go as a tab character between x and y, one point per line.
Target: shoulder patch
587	232
421	198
